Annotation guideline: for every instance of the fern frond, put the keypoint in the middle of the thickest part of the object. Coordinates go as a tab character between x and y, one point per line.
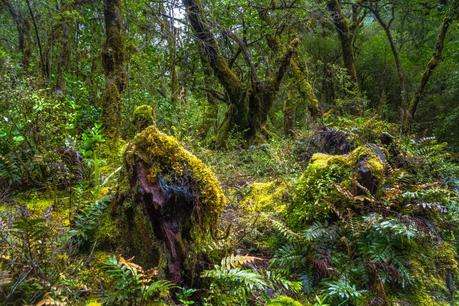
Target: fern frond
318	231
277	281
234	261
250	279
287	233
88	219
289	257
9	170
161	287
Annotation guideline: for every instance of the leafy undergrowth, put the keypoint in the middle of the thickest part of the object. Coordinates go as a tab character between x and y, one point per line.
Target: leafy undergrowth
305	225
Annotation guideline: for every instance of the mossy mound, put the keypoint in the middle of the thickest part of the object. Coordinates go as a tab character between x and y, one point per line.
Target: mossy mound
284	301
362	130
143	116
368	221
267	197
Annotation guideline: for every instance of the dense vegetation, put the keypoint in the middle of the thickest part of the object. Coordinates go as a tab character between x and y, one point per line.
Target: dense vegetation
244	152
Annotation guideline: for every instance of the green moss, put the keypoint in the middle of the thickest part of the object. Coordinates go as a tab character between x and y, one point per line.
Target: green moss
284	300
266	197
109	155
133	232
429	267
142	117
361	130
37	203
321	161
111	109
165	157
107	231
328	184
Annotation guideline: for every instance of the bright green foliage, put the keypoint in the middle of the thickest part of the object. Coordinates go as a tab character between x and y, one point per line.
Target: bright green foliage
142	117
230	283
89	219
362	130
28	155
343	292
284	301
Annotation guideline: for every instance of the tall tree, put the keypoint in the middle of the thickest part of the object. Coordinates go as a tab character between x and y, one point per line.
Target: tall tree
248	102
64	46
113	61
298	75
44	66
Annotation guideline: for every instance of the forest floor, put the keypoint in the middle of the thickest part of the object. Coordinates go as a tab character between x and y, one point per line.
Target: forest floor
270	187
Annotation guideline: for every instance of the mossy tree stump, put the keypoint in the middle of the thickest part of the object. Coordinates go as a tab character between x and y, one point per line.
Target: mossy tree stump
170	204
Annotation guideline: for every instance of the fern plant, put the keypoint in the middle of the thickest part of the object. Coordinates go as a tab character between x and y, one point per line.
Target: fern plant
342	292
87	220
230	282
131	285
237	281
431	160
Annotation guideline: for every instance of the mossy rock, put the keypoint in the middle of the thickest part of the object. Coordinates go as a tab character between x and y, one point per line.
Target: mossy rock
168	204
332	184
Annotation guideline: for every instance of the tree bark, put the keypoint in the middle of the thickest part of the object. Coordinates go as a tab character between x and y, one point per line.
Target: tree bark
210	112
113	62
346	38
169	204
289	115
431	65
305	88
298	72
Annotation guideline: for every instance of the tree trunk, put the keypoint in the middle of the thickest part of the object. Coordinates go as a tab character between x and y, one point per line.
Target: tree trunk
299	75
44	67
289	115
346	37
64	57
113	61
431	65
210	113
174	84
23	28
305	89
